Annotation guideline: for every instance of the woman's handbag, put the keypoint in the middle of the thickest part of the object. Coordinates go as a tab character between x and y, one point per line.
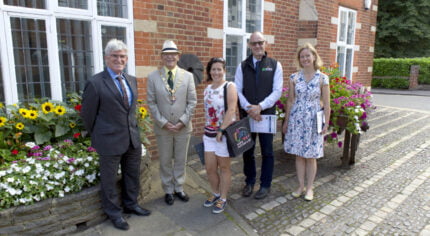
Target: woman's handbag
238	134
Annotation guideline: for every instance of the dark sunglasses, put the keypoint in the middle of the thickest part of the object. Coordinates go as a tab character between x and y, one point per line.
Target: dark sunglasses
217	59
255	43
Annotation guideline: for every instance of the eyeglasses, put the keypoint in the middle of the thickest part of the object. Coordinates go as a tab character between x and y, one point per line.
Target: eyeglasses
117	56
255	43
217	59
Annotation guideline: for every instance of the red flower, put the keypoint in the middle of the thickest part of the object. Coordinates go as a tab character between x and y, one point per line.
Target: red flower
14	152
78	107
76	135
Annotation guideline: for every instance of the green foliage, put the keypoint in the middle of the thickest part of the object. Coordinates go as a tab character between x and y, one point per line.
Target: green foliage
400	67
391	83
403	28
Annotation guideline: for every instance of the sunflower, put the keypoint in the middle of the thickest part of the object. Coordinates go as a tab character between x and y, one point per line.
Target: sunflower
72	125
60	110
2	121
143	111
19	126
32	114
47	107
24	112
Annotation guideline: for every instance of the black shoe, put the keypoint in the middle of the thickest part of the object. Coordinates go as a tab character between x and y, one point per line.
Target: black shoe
262	193
183	196
137	210
247	190
120	223
169	198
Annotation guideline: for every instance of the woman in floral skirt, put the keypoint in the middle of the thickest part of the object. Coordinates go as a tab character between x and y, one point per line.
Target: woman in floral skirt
308	88
217	160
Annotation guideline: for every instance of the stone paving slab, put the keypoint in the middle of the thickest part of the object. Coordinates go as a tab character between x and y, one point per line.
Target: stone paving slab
368	199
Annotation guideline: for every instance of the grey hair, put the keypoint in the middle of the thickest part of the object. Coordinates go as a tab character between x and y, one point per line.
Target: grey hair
115	45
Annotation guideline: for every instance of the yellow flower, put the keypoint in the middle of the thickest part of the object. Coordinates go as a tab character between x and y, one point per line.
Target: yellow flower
60	110
47	107
32	114
72	125
143	116
19	126
143	110
24	112
139	100
1	105
2	121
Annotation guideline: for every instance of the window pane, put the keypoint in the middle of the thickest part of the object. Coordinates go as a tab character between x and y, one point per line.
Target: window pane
253	16
342	26
1	85
348	63
234	47
26	3
31	58
75	54
235	13
341	59
351	21
114	8
81	4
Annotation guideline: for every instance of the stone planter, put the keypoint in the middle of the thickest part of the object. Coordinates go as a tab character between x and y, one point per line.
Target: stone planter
69	214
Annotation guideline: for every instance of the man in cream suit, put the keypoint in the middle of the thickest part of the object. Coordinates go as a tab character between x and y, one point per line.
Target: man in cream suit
172	99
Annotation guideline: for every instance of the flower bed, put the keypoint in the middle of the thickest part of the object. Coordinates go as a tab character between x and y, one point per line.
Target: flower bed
45	152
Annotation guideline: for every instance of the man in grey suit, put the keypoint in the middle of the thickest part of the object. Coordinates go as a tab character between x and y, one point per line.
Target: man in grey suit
172	99
108	113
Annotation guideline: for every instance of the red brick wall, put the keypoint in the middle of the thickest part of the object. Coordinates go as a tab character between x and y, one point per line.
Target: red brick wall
186	22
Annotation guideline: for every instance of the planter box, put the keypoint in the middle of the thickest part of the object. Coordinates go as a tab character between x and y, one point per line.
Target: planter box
72	213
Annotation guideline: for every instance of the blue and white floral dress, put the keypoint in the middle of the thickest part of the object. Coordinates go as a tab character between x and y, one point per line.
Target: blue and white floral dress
302	138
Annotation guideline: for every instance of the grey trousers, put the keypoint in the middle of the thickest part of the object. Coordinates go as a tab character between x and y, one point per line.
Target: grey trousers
173	152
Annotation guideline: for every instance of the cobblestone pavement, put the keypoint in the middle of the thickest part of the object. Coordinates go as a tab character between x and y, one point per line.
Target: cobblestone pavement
387	191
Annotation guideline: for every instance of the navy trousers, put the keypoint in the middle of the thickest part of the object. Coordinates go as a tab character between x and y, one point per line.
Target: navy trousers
249	169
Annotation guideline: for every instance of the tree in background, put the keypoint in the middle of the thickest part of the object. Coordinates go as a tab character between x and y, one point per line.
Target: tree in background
403	29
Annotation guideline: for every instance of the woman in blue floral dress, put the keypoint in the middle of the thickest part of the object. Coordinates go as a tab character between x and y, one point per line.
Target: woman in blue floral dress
307	88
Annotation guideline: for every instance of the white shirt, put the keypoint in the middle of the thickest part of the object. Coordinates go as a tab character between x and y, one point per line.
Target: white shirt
270	100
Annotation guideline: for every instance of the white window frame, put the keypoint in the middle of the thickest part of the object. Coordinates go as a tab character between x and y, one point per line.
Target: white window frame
241	32
344	44
50	15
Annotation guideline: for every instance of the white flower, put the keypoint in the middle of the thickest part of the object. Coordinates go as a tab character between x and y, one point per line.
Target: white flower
30	144
49	187
79	172
56	165
67	189
42	194
143	150
86	165
71	168
91	177
282	115
61	193
37	198
31	161
90	158
26	169
10	179
2	173
59	175
22	200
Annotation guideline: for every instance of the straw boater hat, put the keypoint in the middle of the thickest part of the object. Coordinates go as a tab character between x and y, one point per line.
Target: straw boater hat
169	47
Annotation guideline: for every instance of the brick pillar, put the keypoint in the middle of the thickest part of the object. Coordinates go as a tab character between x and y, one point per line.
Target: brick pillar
413	77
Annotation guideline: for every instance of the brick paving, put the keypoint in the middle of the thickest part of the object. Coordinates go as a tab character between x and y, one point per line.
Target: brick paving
387	191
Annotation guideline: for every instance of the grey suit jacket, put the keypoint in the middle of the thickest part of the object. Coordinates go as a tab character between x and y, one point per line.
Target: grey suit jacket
112	126
162	109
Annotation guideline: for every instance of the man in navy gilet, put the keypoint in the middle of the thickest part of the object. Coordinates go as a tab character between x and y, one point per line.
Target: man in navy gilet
259	84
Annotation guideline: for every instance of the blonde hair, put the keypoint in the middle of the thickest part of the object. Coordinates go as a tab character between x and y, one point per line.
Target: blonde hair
318	63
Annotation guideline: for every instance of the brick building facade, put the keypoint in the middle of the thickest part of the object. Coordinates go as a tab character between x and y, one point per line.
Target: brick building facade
50	48
198	28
